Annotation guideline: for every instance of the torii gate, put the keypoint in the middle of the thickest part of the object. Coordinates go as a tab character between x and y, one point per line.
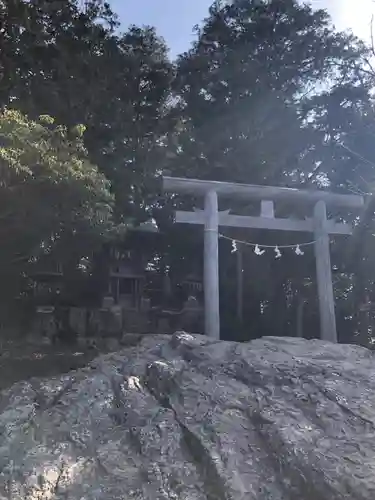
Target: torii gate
211	219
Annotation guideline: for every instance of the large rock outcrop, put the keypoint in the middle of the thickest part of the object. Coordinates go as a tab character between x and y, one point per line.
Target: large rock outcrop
188	418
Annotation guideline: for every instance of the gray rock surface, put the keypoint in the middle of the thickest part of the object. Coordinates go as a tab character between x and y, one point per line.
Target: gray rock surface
188	418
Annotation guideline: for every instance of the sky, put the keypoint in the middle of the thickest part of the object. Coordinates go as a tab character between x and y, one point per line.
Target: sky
174	19
353	14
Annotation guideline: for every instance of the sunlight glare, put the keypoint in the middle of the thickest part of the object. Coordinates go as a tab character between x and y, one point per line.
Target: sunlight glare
347	14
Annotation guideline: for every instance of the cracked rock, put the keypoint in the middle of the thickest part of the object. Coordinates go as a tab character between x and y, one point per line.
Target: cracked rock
188	418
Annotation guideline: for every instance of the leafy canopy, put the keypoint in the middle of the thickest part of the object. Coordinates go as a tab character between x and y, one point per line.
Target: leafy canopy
67	60
50	194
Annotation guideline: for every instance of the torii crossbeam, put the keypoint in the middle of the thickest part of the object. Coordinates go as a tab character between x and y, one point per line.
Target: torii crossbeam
211	219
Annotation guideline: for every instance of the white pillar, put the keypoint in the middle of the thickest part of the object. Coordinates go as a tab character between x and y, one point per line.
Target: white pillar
211	266
324	275
239	259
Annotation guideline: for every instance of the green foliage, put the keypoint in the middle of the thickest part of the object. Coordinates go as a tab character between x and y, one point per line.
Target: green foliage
270	93
243	86
51	197
70	63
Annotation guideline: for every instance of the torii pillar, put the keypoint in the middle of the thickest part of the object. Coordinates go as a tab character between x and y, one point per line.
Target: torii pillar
211	266
211	218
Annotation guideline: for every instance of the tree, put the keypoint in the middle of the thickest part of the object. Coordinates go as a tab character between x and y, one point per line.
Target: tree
244	82
349	132
51	197
71	63
269	94
256	93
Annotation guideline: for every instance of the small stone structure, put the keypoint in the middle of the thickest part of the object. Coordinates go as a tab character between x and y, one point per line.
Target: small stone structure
45	324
